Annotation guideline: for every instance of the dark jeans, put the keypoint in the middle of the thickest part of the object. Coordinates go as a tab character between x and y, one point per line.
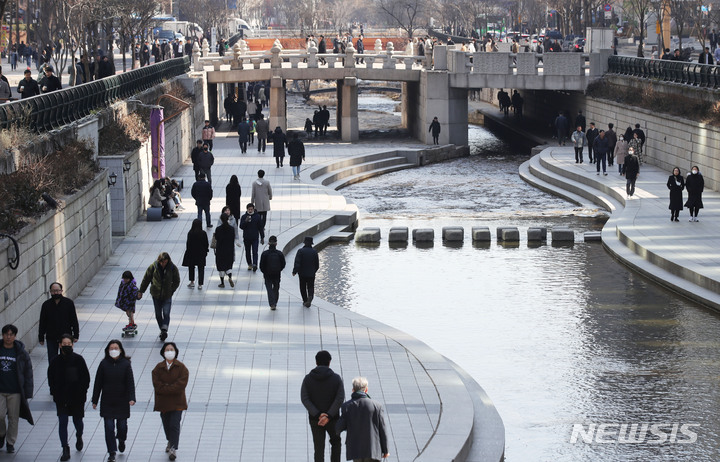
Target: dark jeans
273	290
262	142
263	220
279	160
206	209
307	288
561	136
53	349
201	274
62	429
243	147
110	433
318	434
601	158
208	176
590	153
578	154
630	187
251	252
162	312
171	426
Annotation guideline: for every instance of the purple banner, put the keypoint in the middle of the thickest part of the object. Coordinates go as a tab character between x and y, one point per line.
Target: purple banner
157	143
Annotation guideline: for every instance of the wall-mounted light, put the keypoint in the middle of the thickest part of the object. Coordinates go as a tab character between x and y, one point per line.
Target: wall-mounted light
126	165
113	179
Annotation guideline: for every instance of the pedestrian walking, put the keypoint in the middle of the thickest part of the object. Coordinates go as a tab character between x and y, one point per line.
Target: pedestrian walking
694	184
676	184
57	317
196	250
561	128
591	134
601	148
306	265
612	142
279	144
261	197
195	155
208	134
364	420
632	171
578	139
261	129
50	83
272	262
224	239
308	127
232	197
16	386
202	192
296	151
205	162
163	278
243	135
435	130
322	393
114	389
127	298
69	380
28	86
621	150
170	378
637	145
250	223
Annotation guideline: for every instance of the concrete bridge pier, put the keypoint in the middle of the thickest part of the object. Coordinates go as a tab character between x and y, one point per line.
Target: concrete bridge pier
278	104
347	118
438	99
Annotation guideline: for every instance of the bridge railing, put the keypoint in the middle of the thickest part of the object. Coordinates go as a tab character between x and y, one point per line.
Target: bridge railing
530	64
51	111
701	75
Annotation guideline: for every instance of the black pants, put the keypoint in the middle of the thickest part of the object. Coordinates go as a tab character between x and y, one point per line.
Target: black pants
318	434
307	288
263	220
435	139
201	274
243	147
171	426
279	160
261	144
630	187
578	155
590	153
272	284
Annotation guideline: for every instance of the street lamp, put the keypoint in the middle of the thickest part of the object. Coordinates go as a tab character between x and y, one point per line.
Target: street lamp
113	179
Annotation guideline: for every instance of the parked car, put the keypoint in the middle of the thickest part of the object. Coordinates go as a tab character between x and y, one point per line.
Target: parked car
578	45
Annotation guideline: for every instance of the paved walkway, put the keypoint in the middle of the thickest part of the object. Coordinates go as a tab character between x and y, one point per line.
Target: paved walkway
246	362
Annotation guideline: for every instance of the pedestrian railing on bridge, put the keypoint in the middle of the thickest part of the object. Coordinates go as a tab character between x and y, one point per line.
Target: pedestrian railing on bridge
700	75
51	111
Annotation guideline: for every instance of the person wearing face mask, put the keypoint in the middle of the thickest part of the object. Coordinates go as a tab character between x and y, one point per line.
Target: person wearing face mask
115	382
676	184
16	386
694	184
250	224
57	317
69	380
170	378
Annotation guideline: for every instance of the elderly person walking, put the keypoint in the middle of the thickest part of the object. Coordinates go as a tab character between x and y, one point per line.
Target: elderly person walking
115	382
225	236
170	378
364	420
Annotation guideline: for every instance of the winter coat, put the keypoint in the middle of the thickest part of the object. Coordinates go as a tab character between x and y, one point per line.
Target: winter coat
232	198
194	155
307	262
601	145
30	88
322	392
262	128
364	420
322	46
621	150
57	319
434	128
169	385
676	184
561	123
163	284
243	132
578	139
232	223
127	295
156	198
580	121
694	184
196	249
24	370
272	262
208	133
360	46
591	134
225	248
114	380
205	160
261	195
296	151
69	380
279	143
632	167
612	139
636	145
202	192
250	224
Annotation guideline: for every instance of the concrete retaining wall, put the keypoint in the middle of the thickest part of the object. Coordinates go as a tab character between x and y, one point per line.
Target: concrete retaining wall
68	245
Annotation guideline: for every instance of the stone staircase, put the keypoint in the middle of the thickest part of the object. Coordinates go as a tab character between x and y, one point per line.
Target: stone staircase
342	173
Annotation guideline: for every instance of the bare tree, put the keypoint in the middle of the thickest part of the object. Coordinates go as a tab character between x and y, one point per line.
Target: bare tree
682	11
408	15
134	17
638	10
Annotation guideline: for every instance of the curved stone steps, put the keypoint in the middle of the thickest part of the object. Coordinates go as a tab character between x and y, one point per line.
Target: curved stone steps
337	179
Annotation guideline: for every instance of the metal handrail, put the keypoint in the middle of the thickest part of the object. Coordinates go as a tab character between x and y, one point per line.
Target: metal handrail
681	72
51	111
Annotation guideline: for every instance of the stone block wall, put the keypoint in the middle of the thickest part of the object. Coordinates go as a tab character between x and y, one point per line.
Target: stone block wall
69	245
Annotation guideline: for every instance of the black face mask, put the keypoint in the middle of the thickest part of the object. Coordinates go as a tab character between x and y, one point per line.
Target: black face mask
56	296
66	349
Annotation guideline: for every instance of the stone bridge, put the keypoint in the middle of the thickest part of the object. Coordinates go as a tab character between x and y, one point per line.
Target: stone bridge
431	87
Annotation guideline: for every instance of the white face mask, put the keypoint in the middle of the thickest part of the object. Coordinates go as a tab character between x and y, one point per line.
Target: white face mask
694	172
170	355
114	353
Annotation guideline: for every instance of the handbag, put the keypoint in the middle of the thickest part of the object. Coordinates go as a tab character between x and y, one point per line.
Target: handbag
213	243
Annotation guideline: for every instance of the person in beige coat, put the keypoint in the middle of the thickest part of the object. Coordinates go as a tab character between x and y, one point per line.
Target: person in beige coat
261	197
621	150
169	378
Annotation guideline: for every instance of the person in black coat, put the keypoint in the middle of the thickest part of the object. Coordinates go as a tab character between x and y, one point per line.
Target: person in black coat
322	393
194	155
322	48
28	86
50	82
306	265
243	130
695	183
591	134
115	382
435	130
225	250
296	151
196	250
232	197
239	108
632	170
272	262
279	143
360	49
202	193
57	317
69	380
251	223
676	184
561	128
601	147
